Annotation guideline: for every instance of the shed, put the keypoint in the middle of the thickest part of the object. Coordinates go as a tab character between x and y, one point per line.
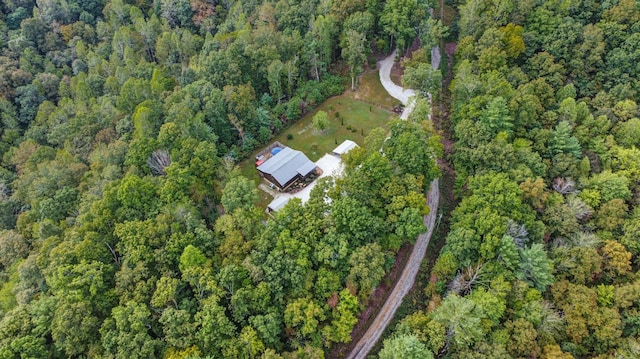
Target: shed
278	203
344	147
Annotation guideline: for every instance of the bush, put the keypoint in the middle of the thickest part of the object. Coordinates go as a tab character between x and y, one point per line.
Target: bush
289	136
314	97
264	134
321	121
349	127
279	110
331	86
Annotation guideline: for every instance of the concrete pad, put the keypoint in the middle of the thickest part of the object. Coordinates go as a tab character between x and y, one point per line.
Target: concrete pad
330	165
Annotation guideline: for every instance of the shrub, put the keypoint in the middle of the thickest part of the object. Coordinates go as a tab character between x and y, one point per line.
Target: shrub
321	121
289	136
332	86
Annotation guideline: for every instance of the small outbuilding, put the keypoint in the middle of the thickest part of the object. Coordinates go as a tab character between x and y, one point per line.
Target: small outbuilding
285	167
344	147
278	203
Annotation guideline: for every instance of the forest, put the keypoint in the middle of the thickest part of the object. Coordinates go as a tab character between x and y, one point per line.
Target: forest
126	229
541	258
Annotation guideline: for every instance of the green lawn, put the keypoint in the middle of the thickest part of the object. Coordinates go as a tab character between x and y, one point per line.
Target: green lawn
356	119
370	90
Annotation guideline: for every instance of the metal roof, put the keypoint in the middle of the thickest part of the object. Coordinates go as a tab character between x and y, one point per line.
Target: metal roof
278	203
287	164
345	147
306	168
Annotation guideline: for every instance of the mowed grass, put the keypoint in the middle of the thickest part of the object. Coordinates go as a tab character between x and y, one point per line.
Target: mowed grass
349	119
355	119
372	92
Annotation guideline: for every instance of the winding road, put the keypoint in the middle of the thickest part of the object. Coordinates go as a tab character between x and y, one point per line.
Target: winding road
410	271
401	94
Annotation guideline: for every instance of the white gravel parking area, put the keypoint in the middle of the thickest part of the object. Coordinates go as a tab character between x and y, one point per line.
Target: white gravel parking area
331	166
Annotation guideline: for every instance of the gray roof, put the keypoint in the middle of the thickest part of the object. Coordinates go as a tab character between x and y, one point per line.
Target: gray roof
278	203
286	165
306	168
345	147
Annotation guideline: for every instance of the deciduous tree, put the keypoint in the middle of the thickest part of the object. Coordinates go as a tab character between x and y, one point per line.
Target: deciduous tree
354	52
404	346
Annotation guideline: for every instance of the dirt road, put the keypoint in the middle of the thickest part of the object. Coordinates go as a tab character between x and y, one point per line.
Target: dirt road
404	284
406	280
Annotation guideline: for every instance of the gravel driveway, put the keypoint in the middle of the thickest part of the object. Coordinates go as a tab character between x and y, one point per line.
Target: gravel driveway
410	271
330	165
397	92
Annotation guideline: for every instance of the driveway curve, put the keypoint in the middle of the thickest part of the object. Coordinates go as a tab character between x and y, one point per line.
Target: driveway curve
410	271
401	94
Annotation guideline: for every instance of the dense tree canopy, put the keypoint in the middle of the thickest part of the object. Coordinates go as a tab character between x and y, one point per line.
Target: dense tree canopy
542	250
126	231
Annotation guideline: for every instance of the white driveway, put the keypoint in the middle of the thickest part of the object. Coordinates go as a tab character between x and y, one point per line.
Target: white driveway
401	94
394	90
330	165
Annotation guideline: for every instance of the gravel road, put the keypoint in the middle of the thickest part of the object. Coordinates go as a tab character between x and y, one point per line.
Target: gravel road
435	57
410	271
401	94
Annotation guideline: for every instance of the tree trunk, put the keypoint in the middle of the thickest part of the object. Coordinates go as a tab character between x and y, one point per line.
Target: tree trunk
315	67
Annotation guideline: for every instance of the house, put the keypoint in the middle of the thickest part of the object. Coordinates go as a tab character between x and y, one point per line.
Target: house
285	167
344	147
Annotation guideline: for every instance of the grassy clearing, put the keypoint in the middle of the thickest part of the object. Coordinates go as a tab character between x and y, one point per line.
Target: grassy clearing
372	92
352	116
349	119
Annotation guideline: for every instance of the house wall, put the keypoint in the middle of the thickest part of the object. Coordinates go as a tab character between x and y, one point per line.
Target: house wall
271	179
297	177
